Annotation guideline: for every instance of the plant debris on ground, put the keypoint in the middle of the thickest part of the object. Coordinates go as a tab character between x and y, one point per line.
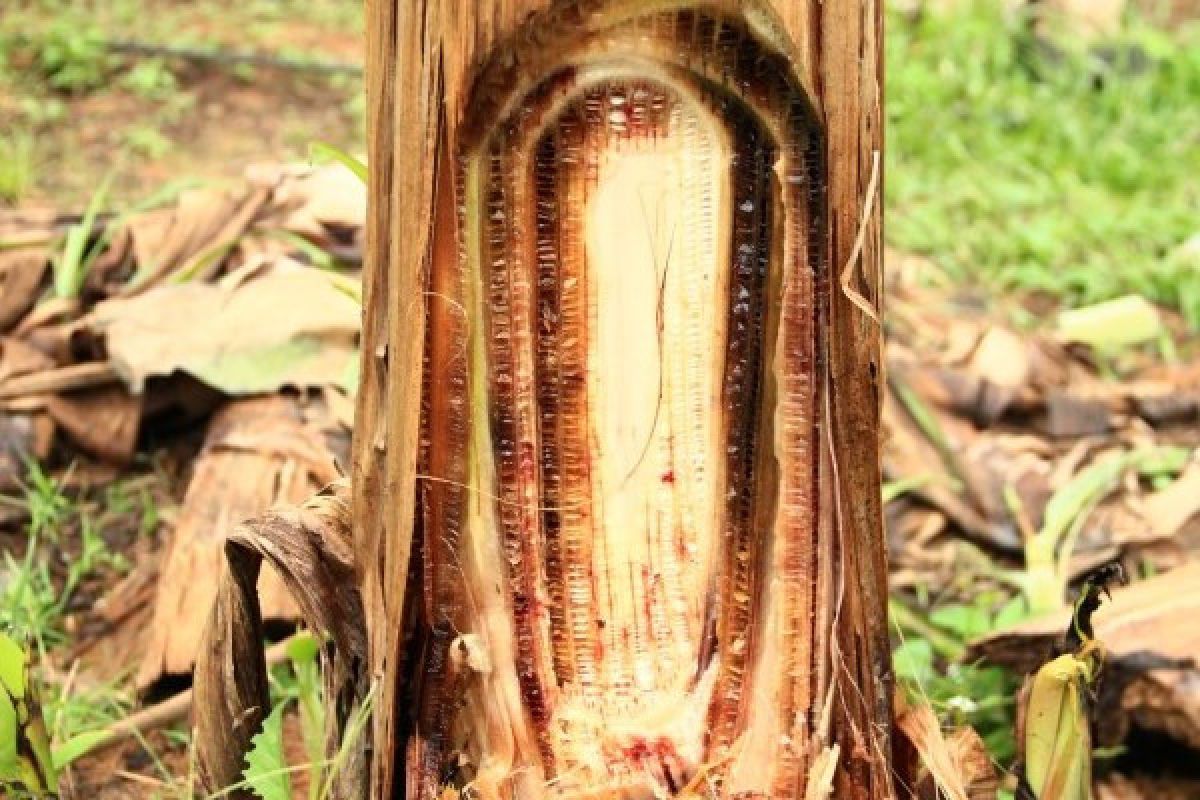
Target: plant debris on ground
173	365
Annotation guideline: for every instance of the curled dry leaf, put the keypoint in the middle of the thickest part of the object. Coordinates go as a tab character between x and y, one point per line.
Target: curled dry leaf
58	379
19	359
316	202
1001	361
909	450
112	268
310	548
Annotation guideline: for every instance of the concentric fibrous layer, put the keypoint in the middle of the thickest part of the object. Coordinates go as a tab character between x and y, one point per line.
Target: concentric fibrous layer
620	505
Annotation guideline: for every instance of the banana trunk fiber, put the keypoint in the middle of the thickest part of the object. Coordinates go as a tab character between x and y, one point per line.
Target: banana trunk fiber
616	482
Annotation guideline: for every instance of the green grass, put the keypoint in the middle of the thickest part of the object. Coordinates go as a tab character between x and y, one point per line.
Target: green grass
161	20
1017	171
929	666
71	54
34	599
1014	168
62	61
17	165
41	588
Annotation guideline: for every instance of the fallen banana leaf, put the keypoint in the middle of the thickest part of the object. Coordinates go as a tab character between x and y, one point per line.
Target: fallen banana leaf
1001	360
258	453
19	360
102	421
325	205
60	379
288	327
1069	415
172	241
311	549
908	452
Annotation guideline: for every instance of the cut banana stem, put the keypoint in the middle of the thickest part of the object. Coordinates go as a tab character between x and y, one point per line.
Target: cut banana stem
619	567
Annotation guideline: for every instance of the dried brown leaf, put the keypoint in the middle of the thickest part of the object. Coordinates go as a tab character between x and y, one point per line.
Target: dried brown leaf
1001	361
287	327
30	225
258	453
908	453
102	422
59	379
1070	414
328	198
921	727
21	273
203	222
18	359
1167	510
310	547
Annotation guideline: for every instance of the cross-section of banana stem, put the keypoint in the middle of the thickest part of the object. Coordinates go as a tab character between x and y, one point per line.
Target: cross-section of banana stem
616	472
619	438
